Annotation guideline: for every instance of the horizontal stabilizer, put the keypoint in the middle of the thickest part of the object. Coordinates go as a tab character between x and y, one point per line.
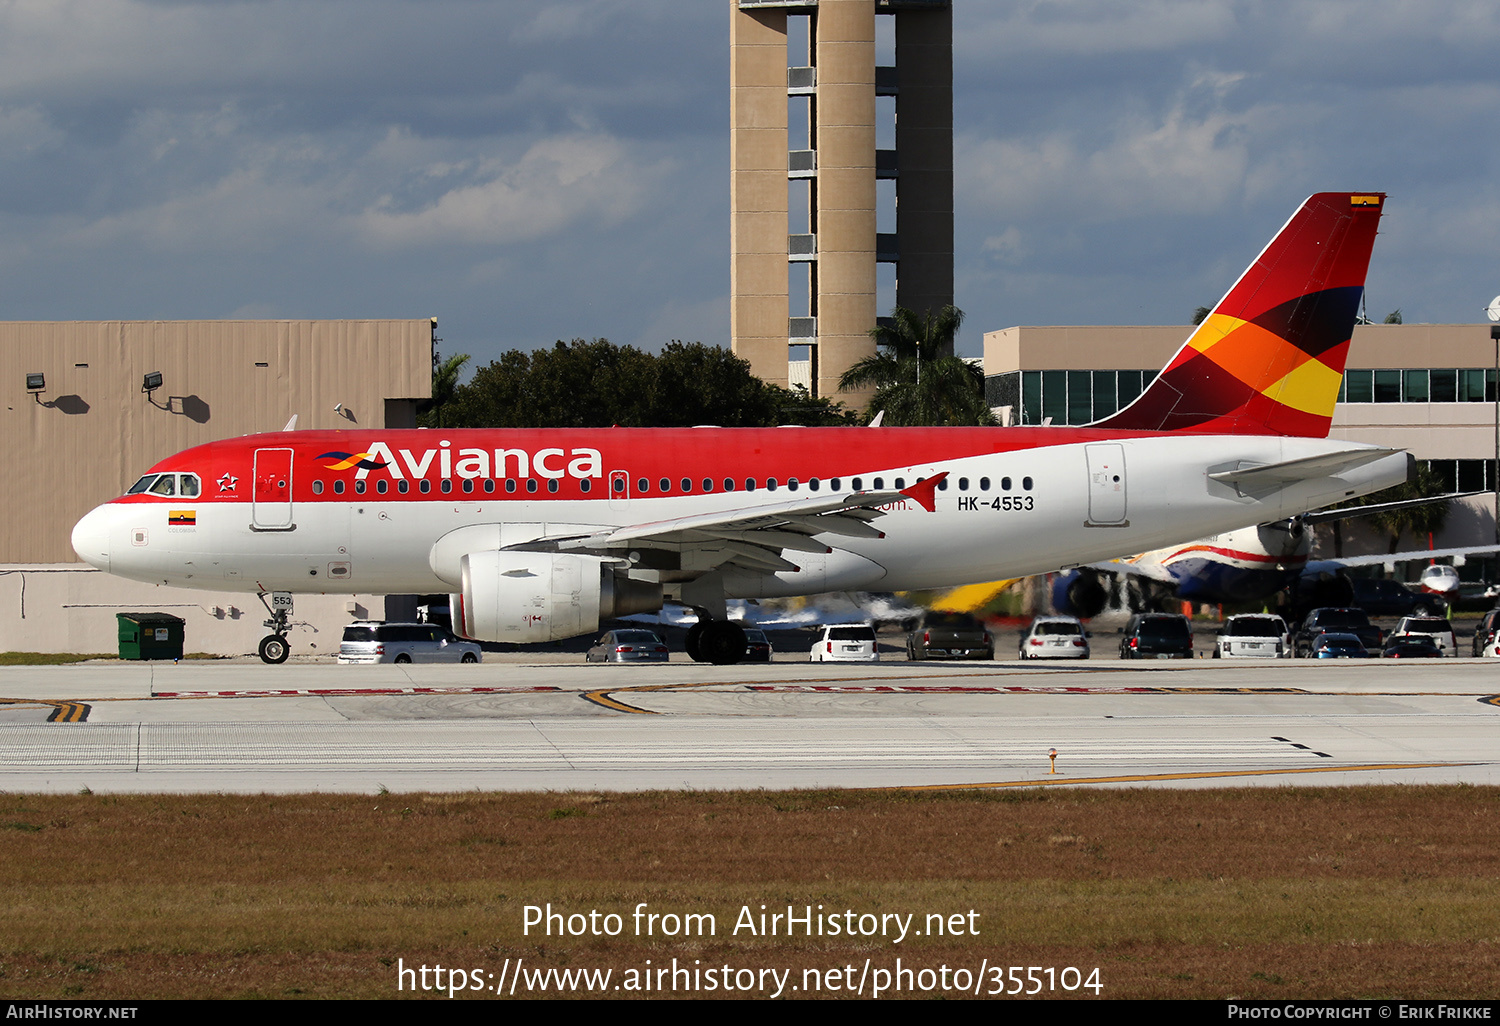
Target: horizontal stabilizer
1251	478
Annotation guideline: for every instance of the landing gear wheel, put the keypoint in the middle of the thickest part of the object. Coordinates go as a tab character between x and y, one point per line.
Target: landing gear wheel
694	640
274	649
722	643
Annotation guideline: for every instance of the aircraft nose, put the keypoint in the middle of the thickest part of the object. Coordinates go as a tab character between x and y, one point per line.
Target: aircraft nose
91	538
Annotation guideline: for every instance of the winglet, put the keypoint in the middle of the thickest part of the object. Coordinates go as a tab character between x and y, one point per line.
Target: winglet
925	491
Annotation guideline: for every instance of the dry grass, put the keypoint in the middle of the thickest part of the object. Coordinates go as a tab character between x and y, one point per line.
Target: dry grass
1251	893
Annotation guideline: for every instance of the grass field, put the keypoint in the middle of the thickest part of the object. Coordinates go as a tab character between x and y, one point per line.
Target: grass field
1254	893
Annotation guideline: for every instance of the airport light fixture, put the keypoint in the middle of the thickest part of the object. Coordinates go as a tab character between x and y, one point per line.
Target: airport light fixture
151	382
36	383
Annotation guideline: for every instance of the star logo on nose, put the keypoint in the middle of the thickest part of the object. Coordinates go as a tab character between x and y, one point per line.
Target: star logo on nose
227	483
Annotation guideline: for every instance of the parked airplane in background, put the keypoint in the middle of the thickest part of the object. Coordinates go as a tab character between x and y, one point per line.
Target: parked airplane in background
1249	565
539	534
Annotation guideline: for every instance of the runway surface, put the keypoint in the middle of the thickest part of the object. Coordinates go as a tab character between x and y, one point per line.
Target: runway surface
243	727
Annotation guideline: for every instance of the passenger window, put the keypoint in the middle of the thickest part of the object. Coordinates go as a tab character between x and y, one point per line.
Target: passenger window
531	484
665	485
729	484
552	485
791	484
338	487
770	484
643	486
510	484
1026	483
834	484
425	486
317	487
468	486
619	484
749	484
359	488
446	486
585	485
1005	484
708	484
687	484
942	485
984	484
963	484
879	483
403	487
901	482
859	484
382	486
489	486
813	484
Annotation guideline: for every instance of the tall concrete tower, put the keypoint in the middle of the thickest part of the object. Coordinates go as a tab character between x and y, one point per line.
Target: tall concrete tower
806	209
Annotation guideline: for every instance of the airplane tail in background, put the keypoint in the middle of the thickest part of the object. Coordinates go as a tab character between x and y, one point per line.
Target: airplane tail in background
1270	357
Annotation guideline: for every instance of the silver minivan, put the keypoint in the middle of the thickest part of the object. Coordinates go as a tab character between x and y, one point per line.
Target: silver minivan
371	641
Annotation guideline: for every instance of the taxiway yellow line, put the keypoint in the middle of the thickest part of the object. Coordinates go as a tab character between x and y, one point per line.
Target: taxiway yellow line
1149	777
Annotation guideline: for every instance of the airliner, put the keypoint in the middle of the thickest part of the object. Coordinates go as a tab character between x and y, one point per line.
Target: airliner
540	534
1252	564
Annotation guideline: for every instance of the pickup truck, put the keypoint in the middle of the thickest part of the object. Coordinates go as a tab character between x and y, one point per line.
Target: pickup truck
949	636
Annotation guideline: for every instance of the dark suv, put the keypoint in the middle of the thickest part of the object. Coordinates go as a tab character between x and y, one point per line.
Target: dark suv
1338	620
1157	636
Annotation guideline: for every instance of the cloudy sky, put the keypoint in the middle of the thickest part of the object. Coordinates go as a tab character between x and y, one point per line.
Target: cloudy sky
528	171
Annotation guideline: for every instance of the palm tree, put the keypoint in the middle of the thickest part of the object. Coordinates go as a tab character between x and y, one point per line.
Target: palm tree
916	378
431	412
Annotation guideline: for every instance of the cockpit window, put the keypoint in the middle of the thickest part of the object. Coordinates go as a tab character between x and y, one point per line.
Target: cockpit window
172	485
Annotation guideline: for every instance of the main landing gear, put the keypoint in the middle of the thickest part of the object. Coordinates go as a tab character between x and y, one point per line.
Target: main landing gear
721	642
274	647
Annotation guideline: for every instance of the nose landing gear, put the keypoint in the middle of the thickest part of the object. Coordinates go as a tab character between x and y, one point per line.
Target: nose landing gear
274	648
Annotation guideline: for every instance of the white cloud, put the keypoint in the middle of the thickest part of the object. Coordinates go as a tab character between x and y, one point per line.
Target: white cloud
557	182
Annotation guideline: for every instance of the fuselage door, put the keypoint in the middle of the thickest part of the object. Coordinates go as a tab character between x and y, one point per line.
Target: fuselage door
1106	485
271	499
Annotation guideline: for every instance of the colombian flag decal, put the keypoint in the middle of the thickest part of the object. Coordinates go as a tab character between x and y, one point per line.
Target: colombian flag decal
182	518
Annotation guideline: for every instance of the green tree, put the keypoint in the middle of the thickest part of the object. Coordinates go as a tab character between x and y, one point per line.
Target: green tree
598	384
1394	317
434	412
1420	521
1201	314
916	378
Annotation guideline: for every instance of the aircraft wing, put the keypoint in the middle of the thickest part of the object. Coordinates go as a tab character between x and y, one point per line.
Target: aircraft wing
756	536
1344	562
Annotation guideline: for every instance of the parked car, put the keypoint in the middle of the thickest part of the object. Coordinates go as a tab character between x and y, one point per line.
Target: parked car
1380	596
941	635
845	643
757	646
1054	637
1253	636
1440	630
1334	645
1335	618
371	641
1488	624
1157	636
1411	646
628	646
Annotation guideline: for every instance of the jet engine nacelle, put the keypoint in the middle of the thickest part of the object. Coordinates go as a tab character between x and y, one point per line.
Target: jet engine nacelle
524	597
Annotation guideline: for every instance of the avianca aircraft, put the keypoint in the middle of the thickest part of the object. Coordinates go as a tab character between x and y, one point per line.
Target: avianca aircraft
538	534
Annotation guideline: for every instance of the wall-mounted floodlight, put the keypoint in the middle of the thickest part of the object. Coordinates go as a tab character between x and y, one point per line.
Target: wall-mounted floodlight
36	383
151	382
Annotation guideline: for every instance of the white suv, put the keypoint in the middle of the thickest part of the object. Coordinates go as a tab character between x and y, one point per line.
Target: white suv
1253	636
1439	629
371	641
846	643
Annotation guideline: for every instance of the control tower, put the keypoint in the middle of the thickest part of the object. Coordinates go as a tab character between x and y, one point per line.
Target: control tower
811	191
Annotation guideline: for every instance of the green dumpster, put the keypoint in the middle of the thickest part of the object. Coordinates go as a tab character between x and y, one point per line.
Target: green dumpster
150	635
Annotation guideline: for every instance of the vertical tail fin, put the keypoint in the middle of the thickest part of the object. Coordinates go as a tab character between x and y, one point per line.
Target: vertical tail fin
1269	359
